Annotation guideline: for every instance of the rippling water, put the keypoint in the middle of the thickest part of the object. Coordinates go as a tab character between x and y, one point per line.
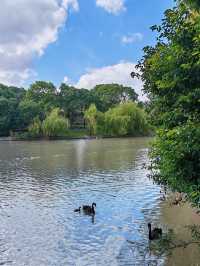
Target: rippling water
42	182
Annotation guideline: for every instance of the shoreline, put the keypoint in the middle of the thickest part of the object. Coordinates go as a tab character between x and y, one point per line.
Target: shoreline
69	138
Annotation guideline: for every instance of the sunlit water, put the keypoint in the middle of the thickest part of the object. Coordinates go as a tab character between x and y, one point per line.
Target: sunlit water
42	182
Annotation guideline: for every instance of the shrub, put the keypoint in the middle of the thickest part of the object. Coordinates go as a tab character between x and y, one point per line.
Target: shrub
176	159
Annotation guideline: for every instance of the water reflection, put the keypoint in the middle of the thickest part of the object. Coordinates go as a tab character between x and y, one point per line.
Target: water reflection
41	183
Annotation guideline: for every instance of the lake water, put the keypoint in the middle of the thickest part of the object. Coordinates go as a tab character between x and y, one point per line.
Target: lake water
42	182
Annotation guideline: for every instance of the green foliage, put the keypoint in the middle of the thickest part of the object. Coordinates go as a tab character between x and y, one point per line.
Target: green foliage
35	129
109	95
55	124
126	119
5	118
95	120
19	108
192	3
77	133
43	93
9	101
170	72
176	155
28	110
116	124
74	101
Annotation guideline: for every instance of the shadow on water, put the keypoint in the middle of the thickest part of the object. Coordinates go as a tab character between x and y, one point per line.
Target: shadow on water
41	183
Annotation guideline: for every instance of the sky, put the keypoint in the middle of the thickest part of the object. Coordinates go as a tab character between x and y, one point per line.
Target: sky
79	42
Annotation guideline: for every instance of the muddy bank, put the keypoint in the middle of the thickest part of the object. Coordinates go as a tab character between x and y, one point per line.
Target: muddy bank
177	217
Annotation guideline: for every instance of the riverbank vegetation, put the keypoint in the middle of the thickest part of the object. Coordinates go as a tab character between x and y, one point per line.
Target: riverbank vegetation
170	71
46	111
126	119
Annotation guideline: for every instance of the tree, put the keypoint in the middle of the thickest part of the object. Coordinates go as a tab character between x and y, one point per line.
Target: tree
126	119
35	129
74	102
170	72
27	111
95	120
193	4
9	101
108	95
5	117
43	93
55	124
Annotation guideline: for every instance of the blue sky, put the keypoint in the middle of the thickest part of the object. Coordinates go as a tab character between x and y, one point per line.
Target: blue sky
83	41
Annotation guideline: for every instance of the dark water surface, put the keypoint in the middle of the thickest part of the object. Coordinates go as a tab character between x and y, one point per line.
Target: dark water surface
42	182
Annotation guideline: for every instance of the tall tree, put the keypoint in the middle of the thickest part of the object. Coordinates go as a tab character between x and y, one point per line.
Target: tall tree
10	98
44	93
171	75
109	95
74	101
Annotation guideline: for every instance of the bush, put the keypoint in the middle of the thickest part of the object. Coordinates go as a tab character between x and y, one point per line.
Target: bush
176	159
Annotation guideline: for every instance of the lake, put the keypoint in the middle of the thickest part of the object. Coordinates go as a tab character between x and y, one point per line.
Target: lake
42	182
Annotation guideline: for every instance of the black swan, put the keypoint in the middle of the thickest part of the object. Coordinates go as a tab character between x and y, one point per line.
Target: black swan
156	233
89	209
77	210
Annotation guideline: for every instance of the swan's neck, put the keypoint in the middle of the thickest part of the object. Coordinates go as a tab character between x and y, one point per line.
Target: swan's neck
150	236
93	209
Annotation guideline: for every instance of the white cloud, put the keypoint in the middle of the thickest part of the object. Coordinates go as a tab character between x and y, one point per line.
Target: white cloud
68	81
119	73
27	27
73	3
131	38
112	6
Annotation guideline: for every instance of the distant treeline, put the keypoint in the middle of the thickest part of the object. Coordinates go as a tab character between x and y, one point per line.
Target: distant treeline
45	110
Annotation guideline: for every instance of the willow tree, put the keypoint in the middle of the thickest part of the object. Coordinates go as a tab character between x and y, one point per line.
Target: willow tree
126	119
55	124
35	128
95	120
